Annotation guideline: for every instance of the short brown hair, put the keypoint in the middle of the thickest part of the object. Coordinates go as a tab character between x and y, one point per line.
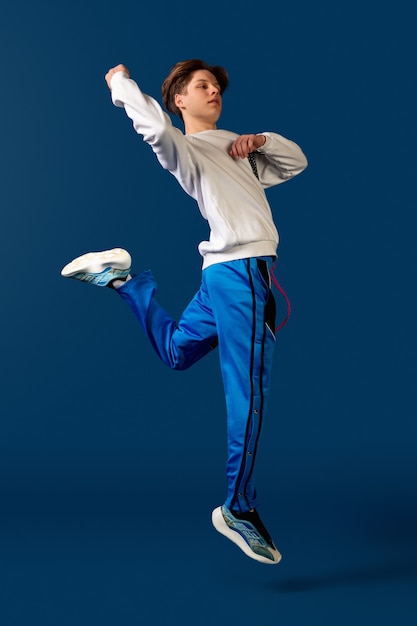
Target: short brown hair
180	76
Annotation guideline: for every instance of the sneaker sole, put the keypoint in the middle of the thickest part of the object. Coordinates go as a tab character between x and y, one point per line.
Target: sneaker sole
96	262
221	526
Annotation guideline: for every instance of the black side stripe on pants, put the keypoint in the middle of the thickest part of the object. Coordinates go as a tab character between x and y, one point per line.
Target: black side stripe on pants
270	308
241	489
261	410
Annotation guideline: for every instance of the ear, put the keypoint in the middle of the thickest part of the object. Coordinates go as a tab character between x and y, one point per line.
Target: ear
178	100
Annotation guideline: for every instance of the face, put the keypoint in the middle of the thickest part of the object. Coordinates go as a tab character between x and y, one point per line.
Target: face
201	98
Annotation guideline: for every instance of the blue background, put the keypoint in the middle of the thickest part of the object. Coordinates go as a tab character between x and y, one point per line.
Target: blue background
110	464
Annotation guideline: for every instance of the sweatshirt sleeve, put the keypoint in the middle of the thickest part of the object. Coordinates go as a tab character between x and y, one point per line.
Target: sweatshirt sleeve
149	120
278	160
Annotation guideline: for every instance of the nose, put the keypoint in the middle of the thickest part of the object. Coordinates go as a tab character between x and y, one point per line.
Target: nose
215	89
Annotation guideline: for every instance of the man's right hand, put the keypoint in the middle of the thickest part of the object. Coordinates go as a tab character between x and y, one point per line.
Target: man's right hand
110	73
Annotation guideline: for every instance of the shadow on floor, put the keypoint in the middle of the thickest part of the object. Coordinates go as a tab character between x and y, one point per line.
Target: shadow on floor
399	570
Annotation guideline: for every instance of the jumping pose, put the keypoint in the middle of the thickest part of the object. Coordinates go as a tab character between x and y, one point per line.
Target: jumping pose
234	309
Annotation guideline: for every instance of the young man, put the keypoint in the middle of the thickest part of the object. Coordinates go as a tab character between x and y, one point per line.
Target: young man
234	308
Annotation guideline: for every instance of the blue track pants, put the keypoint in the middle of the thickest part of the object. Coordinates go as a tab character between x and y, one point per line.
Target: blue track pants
234	309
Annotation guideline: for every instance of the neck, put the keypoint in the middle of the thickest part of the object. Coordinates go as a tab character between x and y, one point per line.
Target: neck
197	126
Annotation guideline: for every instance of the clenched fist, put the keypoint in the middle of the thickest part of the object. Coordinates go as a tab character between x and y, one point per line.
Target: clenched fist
110	73
245	144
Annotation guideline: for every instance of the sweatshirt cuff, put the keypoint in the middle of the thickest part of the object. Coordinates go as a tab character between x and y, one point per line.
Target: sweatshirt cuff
264	148
115	81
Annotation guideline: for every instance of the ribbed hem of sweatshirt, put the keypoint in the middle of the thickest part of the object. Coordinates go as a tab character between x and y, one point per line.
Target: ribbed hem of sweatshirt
259	248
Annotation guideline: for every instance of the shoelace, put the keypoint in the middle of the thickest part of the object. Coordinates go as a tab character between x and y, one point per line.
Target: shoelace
252	161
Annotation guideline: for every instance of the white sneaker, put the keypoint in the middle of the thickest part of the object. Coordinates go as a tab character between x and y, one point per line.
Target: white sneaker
99	268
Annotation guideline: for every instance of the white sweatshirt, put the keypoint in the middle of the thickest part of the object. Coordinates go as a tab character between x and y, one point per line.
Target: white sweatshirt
228	194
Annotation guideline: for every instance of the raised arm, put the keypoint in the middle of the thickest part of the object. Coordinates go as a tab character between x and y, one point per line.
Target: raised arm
149	120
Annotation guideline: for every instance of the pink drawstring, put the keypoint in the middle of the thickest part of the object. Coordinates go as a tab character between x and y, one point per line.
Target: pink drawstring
282	292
